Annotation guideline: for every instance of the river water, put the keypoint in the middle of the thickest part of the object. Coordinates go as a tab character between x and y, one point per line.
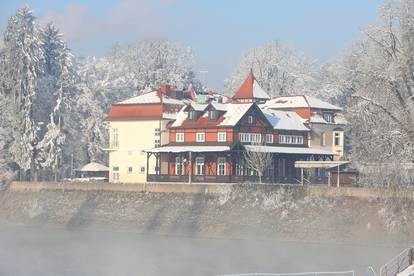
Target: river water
49	251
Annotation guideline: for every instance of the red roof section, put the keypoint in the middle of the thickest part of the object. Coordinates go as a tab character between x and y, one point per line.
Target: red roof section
131	112
246	89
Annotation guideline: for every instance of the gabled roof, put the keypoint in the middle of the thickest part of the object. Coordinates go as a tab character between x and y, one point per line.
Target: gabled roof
301	101
250	89
235	111
285	120
232	115
150	98
146	98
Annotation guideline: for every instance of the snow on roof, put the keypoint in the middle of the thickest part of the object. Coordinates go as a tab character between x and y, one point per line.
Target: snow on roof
219	106
299	102
147	98
180	117
285	120
235	112
317	118
291	150
94	167
316	103
169	116
189	148
250	89
171	101
198	106
258	91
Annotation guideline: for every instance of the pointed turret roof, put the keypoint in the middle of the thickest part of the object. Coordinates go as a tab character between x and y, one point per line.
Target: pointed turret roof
250	89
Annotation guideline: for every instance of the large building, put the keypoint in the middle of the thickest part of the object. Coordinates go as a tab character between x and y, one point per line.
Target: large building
171	135
325	121
137	124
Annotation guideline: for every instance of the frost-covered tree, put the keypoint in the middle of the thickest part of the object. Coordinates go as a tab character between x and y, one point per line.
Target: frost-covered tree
279	69
57	93
378	74
23	64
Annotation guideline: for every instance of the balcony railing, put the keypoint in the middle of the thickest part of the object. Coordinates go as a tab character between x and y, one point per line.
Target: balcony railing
215	179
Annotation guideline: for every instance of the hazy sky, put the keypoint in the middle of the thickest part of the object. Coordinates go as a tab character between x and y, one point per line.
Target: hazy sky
219	31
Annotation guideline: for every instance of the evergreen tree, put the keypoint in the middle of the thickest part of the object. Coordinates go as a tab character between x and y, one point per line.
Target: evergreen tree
24	63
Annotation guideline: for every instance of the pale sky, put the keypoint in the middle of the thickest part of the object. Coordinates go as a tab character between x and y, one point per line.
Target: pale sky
218	31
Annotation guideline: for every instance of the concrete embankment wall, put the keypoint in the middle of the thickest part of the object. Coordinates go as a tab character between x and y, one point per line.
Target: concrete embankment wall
317	191
286	212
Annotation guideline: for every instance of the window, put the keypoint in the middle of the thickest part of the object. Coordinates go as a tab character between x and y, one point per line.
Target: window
328	117
115	174
142	169
179	137
250	119
157	132
157	135
200	170
114	138
337	138
129	169
221	137
323	139
221	166
213	114
240	168
200	136
269	138
250	137
157	143
291	139
179	165
192	115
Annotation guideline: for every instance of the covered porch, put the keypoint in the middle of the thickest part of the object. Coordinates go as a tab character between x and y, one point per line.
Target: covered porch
225	164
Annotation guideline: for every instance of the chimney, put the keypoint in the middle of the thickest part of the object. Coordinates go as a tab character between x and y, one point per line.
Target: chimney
165	89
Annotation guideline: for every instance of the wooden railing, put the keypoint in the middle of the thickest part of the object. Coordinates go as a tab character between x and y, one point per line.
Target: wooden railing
398	263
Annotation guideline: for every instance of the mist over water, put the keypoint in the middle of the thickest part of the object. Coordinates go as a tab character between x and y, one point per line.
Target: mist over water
51	251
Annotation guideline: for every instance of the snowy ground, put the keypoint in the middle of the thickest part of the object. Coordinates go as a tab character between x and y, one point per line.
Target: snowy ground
51	251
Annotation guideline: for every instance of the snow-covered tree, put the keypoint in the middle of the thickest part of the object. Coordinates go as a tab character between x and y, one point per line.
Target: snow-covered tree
279	69
23	64
59	76
378	78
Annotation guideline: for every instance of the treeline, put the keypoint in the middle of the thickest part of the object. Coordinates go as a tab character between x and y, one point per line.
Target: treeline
53	104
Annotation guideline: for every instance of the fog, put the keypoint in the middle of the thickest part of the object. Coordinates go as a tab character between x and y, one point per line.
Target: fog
53	251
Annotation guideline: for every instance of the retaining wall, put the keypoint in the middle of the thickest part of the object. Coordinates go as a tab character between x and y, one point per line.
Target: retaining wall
210	188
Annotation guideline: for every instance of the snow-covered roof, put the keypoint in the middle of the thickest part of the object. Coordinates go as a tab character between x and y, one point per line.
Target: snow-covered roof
291	150
250	89
198	106
299	102
286	120
94	167
180	118
147	98
317	118
219	106
171	101
169	116
235	112
189	149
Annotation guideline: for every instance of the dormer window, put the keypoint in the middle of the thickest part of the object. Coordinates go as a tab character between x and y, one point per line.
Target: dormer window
328	117
213	114
192	115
